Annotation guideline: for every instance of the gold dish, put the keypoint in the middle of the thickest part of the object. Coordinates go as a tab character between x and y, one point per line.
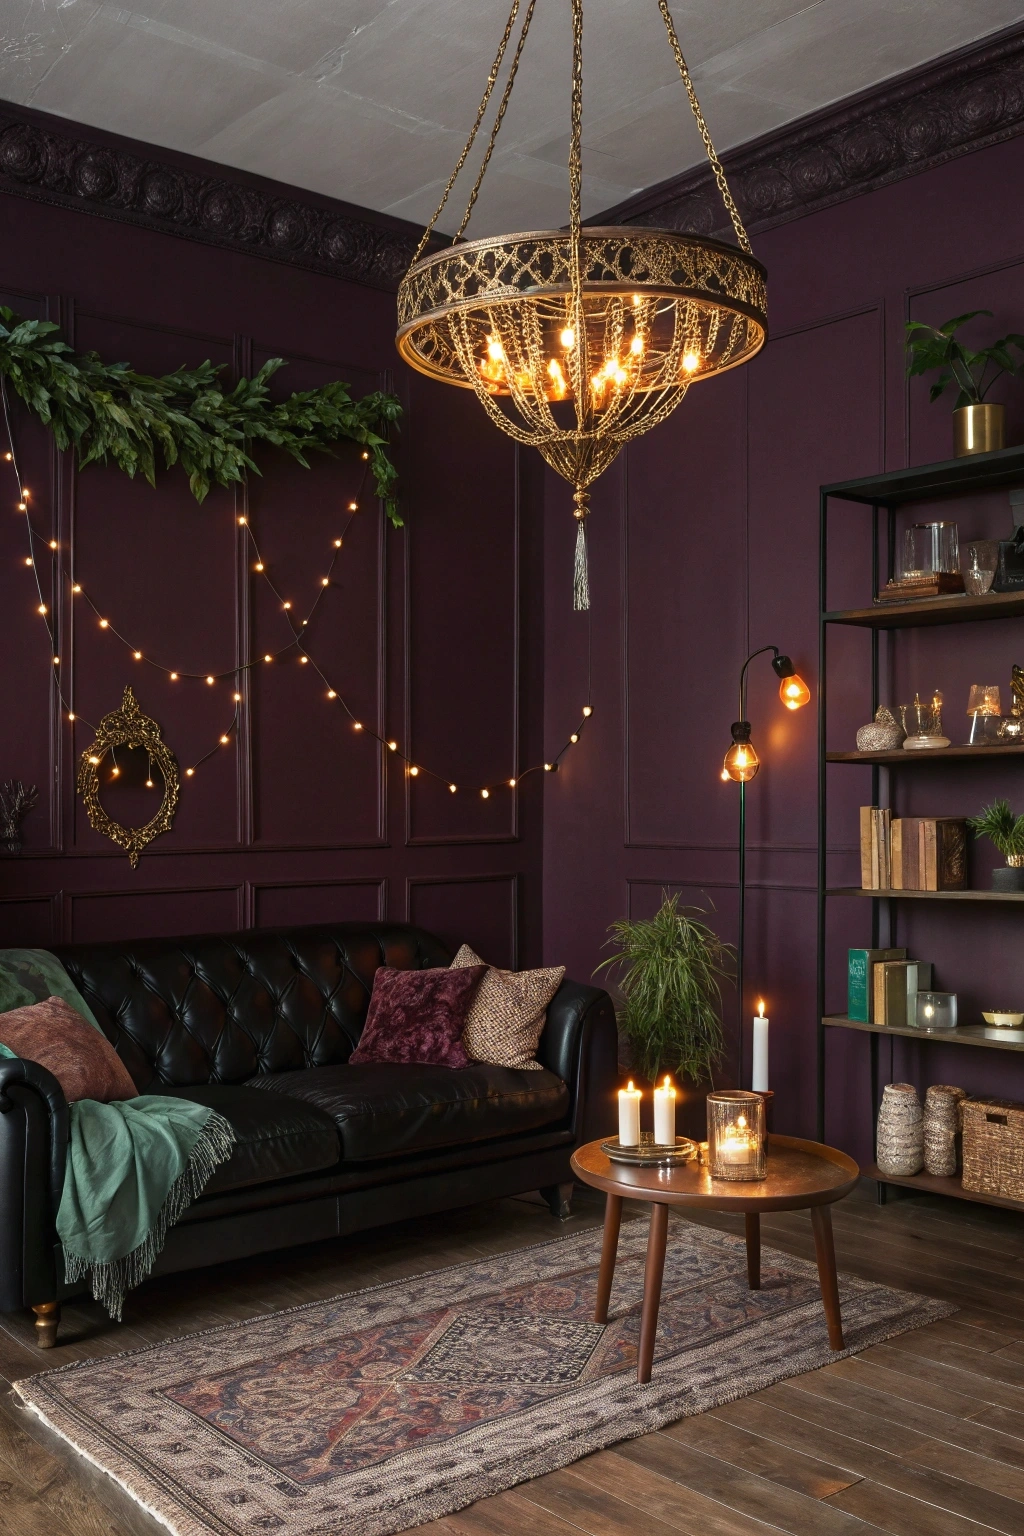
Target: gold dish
1004	1018
649	1153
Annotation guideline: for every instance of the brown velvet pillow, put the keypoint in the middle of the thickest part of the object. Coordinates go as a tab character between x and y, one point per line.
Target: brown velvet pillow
83	1061
418	1016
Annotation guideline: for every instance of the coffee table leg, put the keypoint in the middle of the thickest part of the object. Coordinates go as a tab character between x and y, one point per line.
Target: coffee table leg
752	1223
821	1222
609	1248
653	1273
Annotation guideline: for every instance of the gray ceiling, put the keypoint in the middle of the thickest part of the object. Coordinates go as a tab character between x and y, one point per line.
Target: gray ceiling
371	100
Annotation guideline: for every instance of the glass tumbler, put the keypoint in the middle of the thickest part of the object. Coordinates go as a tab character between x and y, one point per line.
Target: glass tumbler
736	1135
980	568
929	549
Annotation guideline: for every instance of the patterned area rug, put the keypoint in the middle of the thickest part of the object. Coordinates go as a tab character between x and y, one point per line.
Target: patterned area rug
377	1411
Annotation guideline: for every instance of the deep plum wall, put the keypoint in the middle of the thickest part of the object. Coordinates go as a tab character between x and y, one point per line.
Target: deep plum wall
433	633
703	547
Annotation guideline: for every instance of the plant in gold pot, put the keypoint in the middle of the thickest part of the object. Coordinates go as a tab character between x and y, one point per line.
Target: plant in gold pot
979	425
668	969
998	823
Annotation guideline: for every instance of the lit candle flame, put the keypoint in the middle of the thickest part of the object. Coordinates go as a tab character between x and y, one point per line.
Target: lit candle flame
760	1007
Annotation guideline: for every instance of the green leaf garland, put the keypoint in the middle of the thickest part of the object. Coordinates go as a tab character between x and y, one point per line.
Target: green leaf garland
107	411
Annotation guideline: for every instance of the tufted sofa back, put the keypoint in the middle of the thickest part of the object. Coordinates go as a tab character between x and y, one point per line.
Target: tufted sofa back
222	1008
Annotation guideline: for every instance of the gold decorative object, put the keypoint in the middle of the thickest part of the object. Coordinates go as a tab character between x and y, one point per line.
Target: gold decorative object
577	340
128	727
978	429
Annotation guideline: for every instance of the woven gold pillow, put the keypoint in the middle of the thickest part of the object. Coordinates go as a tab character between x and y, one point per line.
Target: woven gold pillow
508	1013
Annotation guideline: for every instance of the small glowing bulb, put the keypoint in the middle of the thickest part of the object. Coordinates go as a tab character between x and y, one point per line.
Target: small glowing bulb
238	698
56	661
149	783
26	492
303	660
114	772
794	692
95	761
9	457
549	767
104	623
76	587
724	775
210	681
495	350
588	710
574	738
42	607
189	772
22	507
353	506
53	543
568	337
138	655
392	746
364	455
28	559
174	677
258	566
241	522
636	346
413	771
71	714
452	788
485	794
637	301
357	725
511	783
325	581
337	543
287	605
304	623
691	362
268	657
331	693
224	741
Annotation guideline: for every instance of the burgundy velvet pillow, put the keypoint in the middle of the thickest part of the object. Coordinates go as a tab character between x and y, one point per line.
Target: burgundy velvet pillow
83	1061
419	1016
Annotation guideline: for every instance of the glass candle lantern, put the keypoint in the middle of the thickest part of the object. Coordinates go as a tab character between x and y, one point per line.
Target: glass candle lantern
935	1010
736	1135
929	549
984	706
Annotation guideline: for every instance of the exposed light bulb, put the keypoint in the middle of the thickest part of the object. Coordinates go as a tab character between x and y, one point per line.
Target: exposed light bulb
337	543
413	771
794	692
56	661
22	507
237	698
189	772
549	767
258	566
28	559
485	794
574	738
511	783
241	522
174	677
325	581
392	746
588	710
95	761
71	714
636	346
331	693
149	783
286	605
452	788
268	657
691	362
104	623
42	607
357	725
741	762
364	455
76	587
568	337
114	772
353	506
9	457
53	543
303	660
138	655
210	681
495	350
224	741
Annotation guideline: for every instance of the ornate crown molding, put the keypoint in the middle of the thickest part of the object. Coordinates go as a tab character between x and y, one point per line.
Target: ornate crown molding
54	161
946	108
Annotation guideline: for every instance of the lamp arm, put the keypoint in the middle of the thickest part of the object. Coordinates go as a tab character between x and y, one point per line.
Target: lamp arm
743	677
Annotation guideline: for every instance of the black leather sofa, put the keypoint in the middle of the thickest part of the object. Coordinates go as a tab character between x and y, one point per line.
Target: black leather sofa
260	1025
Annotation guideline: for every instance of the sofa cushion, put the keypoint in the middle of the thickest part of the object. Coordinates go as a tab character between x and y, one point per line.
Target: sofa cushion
276	1137
387	1110
418	1016
55	1036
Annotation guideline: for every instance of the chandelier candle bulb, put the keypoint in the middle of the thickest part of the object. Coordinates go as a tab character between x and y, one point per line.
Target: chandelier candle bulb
665	1114
759	1068
629	1115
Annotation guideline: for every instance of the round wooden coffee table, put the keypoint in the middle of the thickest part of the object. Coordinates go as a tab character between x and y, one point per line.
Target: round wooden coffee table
801	1175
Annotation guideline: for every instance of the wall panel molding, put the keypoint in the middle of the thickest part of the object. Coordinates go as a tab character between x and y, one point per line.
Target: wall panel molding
52	160
946	108
254	890
415	883
74	902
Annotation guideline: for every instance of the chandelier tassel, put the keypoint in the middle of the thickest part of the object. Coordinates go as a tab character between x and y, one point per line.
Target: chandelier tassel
581	581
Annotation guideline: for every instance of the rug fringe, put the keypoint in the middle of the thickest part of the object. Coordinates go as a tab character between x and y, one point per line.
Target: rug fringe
111	1282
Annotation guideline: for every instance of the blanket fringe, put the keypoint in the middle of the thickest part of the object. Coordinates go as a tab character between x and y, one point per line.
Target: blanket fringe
112	1281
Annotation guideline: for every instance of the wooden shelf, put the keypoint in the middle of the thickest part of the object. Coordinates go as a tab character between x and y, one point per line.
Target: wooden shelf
930	482
930	755
933	1184
921	611
856	890
968	1034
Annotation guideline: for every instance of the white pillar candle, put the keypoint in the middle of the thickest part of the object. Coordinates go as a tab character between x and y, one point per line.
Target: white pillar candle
629	1116
665	1114
759	1067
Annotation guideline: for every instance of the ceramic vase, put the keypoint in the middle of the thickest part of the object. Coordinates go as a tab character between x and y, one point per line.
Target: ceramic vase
899	1146
942	1129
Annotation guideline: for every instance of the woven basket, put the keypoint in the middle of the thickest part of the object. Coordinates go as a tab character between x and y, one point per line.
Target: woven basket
994	1147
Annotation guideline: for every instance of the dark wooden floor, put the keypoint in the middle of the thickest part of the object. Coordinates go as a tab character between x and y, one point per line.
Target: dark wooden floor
923	1436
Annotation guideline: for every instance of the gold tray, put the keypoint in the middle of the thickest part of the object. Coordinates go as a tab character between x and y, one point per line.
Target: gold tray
649	1154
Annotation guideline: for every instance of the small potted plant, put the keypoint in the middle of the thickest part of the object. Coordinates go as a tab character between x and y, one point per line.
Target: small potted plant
998	823
667	969
978	425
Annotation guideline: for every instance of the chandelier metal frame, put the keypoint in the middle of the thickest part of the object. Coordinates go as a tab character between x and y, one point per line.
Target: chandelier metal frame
577	340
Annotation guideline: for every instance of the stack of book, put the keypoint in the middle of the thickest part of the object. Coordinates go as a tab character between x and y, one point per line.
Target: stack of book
882	985
912	853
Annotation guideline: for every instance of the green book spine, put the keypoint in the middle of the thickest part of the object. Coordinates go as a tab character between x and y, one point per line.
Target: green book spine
859	983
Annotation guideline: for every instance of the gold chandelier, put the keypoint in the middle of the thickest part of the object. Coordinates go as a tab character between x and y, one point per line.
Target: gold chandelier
577	340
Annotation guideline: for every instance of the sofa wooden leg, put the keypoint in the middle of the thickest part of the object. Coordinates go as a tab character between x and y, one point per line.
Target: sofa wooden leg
47	1322
559	1199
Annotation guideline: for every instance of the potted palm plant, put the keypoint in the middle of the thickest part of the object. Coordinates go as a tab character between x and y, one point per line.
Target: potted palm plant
979	425
668	969
998	823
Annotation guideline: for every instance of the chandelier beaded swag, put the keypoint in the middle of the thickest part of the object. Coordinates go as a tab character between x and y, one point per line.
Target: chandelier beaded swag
577	340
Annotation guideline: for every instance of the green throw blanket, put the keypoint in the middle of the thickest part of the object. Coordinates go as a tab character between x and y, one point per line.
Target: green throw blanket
133	1167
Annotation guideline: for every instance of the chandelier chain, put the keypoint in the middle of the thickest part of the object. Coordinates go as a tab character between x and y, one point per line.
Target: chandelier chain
496	128
481	110
712	154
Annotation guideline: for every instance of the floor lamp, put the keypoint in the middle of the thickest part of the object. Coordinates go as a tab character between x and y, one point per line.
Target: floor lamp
741	764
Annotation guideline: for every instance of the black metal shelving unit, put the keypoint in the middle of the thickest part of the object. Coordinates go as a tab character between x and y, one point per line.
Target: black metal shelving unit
883	496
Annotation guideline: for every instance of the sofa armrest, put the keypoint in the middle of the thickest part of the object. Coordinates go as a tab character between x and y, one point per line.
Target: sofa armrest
580	1045
33	1157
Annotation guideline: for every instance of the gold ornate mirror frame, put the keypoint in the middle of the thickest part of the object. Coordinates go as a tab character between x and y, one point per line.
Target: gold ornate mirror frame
128	727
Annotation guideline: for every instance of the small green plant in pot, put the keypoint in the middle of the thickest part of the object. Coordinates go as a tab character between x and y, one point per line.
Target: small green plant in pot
668	969
998	823
978	425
